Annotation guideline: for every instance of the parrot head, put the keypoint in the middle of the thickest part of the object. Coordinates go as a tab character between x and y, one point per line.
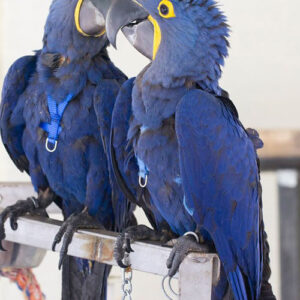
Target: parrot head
187	39
75	29
74	39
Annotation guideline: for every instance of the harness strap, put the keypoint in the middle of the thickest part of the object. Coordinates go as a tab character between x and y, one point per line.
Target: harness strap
53	128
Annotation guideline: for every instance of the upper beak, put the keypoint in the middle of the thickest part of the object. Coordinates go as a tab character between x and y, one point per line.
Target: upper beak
102	5
123	13
90	16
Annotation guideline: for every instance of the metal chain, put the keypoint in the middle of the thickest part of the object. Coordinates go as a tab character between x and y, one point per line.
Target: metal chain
127	277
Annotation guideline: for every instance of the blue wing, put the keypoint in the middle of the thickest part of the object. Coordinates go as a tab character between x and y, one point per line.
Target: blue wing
221	184
123	159
104	102
11	110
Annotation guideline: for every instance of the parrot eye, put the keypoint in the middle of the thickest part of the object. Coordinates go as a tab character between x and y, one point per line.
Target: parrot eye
166	9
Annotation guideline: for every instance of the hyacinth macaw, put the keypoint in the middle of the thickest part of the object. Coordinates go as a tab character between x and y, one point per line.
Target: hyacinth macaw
195	160
55	124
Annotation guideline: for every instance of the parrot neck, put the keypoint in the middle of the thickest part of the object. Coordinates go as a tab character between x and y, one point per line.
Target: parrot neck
179	69
72	76
153	102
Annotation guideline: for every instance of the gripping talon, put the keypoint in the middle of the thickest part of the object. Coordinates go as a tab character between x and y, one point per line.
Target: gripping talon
135	233
54	245
71	224
13	223
59	235
122	265
183	246
128	246
61	260
1	247
57	239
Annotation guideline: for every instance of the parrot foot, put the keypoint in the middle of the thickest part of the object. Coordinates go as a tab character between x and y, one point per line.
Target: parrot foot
33	206
137	233
184	245
74	222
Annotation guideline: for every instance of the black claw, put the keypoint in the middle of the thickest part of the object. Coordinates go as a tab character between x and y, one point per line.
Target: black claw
65	246
122	265
1	247
59	236
62	258
172	272
183	246
54	245
63	252
67	230
134	233
13	212
170	259
57	239
61	261
13	223
128	246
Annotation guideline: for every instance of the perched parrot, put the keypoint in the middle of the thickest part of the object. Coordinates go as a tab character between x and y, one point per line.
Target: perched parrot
195	161
55	124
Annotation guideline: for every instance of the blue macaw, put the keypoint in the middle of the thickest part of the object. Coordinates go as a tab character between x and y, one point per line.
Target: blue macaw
195	160
55	124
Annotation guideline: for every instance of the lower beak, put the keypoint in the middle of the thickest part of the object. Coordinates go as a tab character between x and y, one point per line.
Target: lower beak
132	19
141	37
90	17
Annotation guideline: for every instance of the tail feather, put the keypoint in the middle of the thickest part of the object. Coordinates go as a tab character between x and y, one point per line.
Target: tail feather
266	292
237	284
79	285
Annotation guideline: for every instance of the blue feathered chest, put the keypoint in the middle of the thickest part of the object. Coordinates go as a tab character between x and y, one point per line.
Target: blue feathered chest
156	150
65	169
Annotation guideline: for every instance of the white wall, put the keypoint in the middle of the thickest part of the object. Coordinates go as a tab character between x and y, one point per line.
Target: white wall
261	76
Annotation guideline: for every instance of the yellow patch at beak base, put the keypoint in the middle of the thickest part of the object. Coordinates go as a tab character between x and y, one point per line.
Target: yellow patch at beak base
157	36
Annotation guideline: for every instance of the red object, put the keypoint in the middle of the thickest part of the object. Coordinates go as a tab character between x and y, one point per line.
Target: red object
26	281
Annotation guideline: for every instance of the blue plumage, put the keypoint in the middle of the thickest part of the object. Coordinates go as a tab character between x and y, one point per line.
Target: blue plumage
201	163
77	172
220	179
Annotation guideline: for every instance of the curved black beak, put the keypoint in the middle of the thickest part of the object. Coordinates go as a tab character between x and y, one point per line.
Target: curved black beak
132	18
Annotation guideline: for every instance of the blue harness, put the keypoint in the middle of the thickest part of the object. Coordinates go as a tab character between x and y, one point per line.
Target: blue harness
53	128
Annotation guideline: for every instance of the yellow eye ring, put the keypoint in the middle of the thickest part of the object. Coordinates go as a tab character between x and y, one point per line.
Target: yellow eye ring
166	9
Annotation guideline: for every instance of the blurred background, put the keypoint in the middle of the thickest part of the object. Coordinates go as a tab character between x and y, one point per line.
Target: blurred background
261	75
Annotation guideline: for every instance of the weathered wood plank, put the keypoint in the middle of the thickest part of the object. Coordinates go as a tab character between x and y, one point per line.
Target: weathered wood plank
200	286
91	244
280	143
281	149
98	246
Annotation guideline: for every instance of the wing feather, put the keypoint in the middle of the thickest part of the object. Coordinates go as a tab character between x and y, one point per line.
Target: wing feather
221	183
12	123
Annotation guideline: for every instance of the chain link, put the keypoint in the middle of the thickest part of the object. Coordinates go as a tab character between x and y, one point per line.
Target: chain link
127	277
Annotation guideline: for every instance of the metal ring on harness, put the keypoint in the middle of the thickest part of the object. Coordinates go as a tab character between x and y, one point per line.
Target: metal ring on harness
47	147
143	185
193	234
35	202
